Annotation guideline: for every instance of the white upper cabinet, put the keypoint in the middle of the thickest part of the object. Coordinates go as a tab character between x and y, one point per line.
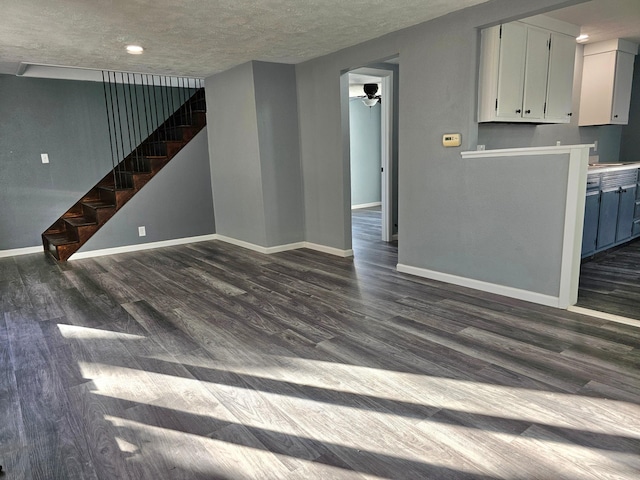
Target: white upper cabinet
607	75
560	84
526	71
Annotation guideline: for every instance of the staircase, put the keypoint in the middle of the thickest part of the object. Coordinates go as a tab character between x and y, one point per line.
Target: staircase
96	207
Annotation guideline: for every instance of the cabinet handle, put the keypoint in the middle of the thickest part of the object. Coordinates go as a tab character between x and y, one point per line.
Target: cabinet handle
527	111
569	114
518	111
615	116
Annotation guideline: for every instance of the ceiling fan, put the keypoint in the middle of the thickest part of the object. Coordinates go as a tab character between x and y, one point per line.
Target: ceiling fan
370	98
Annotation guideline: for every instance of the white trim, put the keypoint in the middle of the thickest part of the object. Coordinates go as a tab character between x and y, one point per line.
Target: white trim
394	236
260	248
511	292
366	205
519	152
604	316
142	246
20	251
573	224
386	143
330	250
283	248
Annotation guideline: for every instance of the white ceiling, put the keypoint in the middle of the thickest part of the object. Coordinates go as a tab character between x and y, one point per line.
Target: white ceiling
197	37
604	19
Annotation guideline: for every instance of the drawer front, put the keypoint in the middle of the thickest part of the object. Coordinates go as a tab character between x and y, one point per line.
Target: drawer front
593	182
615	179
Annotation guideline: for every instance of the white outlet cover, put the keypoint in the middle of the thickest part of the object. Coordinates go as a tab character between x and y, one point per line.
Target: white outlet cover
44	157
142	231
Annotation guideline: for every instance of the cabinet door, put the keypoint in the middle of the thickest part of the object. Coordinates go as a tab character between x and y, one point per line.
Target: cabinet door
622	88
560	82
536	72
513	44
626	209
596	96
608	217
590	230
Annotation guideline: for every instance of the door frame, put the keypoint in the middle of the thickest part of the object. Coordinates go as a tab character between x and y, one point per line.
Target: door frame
386	146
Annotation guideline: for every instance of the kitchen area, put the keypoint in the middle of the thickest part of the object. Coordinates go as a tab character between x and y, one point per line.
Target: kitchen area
571	77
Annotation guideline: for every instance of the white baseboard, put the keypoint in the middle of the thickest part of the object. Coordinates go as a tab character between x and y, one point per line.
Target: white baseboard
260	248
511	292
330	250
142	246
182	241
284	248
21	251
366	205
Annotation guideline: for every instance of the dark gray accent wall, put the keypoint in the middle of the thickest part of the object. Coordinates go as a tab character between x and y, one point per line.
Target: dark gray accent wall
438	95
630	139
65	119
277	117
364	132
254	154
177	203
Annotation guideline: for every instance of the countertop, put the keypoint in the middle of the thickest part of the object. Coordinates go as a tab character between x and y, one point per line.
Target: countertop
611	167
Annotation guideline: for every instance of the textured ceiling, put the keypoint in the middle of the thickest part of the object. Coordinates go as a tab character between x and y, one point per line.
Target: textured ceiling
198	37
604	19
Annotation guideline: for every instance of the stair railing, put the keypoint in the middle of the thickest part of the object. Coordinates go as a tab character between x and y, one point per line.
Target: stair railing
136	105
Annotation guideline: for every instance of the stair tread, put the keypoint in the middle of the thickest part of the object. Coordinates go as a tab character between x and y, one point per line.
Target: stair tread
59	239
79	221
97	205
110	188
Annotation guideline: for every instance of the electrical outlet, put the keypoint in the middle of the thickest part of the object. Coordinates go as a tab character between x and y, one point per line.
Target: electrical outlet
44	157
142	232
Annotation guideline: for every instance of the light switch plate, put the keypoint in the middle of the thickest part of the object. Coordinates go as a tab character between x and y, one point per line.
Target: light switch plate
142	232
451	140
44	157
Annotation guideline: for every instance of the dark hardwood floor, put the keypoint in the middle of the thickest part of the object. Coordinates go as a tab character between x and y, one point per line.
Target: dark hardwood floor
610	283
208	361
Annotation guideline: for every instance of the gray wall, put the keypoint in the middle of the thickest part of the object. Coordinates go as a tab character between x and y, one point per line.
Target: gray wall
67	120
277	116
177	203
254	154
438	94
630	141
512	135
364	132
234	154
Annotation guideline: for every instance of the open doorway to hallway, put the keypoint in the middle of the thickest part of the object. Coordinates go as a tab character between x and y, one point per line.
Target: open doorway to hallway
373	154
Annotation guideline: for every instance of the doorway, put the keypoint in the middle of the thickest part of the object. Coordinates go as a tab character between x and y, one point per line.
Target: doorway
373	154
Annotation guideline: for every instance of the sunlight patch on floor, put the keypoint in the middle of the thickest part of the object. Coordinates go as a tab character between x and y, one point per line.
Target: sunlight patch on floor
86	333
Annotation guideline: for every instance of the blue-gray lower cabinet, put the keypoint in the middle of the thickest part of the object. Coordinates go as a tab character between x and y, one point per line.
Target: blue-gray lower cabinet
591	214
625	212
608	213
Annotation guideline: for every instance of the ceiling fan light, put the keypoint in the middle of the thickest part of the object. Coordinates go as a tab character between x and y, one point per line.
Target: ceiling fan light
369	102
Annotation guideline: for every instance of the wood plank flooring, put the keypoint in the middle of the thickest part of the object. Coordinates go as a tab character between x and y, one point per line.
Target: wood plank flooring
611	283
208	361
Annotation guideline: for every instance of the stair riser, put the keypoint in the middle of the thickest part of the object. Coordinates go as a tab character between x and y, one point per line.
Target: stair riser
98	215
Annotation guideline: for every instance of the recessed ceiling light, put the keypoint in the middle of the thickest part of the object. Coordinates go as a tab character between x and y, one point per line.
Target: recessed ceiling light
582	38
134	49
